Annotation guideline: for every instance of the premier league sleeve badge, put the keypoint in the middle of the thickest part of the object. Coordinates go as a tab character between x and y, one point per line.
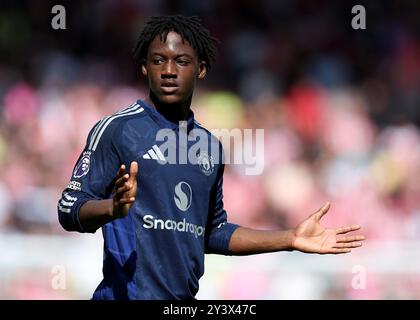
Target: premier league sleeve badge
82	167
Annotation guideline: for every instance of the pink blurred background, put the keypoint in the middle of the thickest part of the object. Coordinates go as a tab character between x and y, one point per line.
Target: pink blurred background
340	109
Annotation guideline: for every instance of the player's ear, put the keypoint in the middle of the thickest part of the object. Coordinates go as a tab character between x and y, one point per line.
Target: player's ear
202	70
143	68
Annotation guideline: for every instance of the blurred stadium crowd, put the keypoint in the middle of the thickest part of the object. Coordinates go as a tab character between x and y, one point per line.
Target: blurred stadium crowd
340	107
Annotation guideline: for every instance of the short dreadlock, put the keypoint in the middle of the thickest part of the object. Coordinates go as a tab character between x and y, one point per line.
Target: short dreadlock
189	28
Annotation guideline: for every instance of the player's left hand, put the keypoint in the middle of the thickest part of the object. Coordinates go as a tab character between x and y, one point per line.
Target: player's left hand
311	237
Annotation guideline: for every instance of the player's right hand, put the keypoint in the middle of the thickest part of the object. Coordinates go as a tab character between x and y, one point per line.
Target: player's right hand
125	190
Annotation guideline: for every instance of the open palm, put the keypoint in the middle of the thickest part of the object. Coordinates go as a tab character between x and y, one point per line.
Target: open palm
311	237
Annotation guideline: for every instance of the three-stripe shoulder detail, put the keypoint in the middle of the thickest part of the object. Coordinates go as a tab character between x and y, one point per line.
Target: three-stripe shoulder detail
104	123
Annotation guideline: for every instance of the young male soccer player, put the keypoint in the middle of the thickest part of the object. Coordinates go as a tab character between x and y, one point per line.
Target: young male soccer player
159	219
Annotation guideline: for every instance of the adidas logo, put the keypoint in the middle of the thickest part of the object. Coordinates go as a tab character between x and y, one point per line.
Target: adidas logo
155	154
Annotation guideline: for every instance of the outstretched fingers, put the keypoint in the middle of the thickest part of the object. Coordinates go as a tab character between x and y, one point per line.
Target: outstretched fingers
126	200
350	238
120	181
339	251
354	244
124	188
125	182
349	241
121	176
121	171
122	195
347	229
134	169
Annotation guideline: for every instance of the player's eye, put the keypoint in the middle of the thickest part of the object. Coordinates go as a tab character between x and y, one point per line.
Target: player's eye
157	61
183	62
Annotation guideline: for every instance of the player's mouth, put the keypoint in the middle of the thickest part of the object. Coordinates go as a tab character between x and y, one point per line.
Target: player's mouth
169	87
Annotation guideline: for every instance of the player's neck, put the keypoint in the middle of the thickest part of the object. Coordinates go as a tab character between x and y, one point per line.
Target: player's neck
173	113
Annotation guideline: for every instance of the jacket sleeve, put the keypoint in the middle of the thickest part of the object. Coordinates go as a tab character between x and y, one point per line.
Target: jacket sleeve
92	177
218	230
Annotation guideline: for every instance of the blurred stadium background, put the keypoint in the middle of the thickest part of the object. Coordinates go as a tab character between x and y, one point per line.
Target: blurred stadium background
340	109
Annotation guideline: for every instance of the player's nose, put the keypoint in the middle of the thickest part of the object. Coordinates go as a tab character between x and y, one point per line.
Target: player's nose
168	70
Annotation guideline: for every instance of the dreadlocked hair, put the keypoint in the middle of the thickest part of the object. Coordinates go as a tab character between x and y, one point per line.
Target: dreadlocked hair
189	28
